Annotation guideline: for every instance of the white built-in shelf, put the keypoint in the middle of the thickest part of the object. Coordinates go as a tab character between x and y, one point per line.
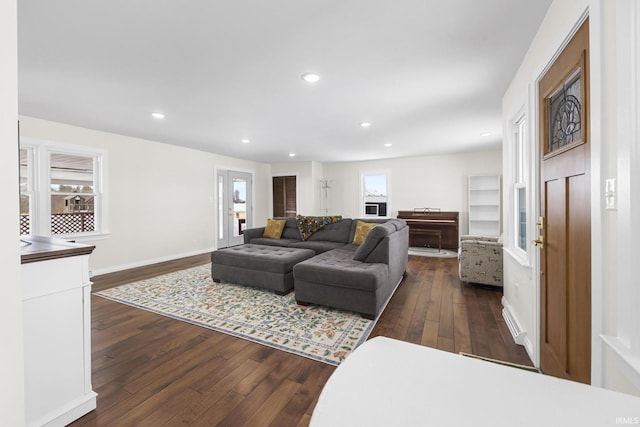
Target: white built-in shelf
484	205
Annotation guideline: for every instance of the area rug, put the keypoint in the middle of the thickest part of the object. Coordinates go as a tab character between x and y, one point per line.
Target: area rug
432	252
253	314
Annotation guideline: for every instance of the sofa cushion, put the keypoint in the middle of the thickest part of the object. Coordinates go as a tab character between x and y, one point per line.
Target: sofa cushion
273	229
316	246
282	242
334	232
307	225
398	223
354	222
362	229
290	230
336	268
372	240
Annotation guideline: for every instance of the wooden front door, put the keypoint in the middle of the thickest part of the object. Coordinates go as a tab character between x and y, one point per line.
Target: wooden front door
565	224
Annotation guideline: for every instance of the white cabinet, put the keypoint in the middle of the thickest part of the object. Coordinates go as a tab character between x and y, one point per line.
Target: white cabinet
56	295
484	205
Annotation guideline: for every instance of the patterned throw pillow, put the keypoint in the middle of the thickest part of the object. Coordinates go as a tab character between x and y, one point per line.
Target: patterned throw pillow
307	225
274	228
362	228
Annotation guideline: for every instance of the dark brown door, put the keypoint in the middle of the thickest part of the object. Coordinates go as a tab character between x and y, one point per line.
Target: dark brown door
565	226
284	196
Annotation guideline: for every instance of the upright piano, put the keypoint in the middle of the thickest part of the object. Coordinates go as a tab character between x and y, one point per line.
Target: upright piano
432	228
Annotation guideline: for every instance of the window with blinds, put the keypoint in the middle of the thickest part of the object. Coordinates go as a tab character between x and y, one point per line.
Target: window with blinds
284	196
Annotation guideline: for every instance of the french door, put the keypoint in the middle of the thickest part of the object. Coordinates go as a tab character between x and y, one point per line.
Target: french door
233	206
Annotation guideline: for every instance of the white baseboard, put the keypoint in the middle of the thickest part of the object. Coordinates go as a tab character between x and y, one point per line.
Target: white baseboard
144	263
68	413
519	335
626	361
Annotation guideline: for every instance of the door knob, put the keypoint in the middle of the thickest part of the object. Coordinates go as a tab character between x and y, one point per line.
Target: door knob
539	241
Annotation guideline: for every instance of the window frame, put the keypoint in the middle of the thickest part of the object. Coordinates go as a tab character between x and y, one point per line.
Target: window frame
520	182
40	173
30	192
362	201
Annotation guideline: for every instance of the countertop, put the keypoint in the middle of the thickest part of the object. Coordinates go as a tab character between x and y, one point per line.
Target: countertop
41	248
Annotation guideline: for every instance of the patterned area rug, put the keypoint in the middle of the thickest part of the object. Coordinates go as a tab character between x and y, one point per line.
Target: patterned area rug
253	314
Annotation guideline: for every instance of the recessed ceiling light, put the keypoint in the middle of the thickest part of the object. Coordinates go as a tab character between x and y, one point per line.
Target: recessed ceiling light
365	124
292	154
157	115
388	144
311	77
485	134
245	140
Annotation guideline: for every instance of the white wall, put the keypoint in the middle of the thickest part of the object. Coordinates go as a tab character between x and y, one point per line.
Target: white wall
614	286
617	285
161	197
11	355
415	182
317	174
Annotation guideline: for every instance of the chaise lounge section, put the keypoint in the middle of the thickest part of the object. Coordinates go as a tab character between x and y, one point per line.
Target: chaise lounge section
356	278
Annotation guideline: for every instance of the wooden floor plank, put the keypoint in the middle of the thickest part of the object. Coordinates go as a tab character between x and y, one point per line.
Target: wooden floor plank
153	370
445	329
230	371
429	334
311	385
462	335
215	414
202	407
155	410
270	409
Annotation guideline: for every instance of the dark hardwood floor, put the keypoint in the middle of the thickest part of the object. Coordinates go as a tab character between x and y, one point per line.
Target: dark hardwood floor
150	370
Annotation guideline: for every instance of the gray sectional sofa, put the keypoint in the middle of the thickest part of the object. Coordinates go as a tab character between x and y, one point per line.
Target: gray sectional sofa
359	278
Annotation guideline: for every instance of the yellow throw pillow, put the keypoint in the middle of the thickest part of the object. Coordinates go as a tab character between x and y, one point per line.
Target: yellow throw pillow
362	228
274	228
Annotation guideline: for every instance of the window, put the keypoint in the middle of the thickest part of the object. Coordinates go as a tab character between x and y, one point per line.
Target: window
26	189
73	193
375	193
61	190
284	196
520	184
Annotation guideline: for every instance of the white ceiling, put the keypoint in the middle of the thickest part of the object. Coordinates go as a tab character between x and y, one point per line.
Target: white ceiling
429	75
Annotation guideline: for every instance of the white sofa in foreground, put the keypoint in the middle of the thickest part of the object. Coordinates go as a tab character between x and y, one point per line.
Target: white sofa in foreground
386	382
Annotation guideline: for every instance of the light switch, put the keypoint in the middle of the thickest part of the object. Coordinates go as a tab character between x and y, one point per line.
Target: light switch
610	193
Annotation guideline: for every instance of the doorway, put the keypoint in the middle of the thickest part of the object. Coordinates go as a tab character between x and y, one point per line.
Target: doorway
285	196
565	220
234	206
